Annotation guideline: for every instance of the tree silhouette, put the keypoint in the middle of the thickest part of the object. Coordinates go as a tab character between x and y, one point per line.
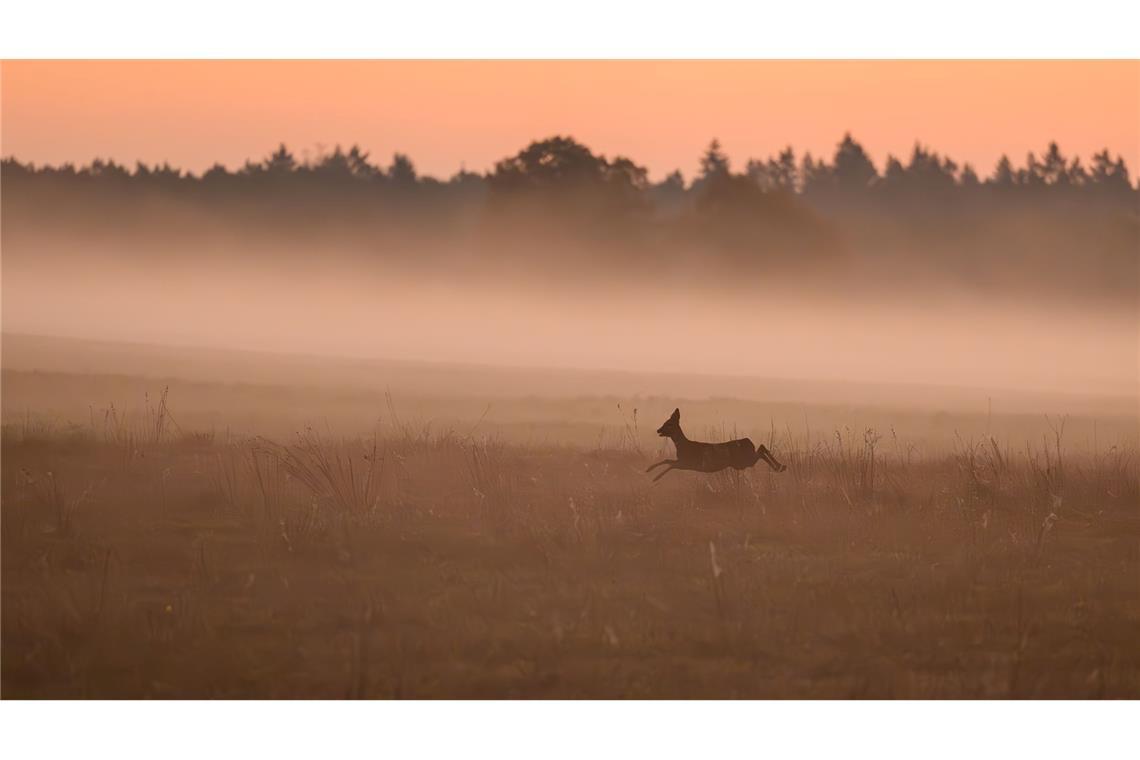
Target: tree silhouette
357	161
783	171
894	174
1004	175
1109	176
557	162
561	167
815	176
402	171
714	162
1054	169
853	170
969	178
669	194
281	162
777	173
928	172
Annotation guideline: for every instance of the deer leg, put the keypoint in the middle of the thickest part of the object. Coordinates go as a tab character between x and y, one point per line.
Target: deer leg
664	472
663	461
763	453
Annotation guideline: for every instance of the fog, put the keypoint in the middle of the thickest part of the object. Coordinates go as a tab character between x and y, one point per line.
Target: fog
563	258
938	337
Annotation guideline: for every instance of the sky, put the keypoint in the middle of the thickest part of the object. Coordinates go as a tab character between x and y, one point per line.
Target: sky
452	114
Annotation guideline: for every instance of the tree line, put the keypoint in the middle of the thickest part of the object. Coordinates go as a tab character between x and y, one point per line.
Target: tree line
556	164
556	206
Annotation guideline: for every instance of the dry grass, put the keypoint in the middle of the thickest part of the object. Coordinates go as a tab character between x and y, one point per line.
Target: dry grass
146	561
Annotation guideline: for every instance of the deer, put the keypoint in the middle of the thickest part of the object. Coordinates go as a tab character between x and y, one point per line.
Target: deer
709	457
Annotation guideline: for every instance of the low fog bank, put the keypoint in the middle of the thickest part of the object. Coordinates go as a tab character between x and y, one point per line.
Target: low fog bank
1035	256
947	337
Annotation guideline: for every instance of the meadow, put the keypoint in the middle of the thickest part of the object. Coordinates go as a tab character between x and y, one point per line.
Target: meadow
149	551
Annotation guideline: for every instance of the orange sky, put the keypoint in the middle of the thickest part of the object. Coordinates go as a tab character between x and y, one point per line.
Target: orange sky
448	113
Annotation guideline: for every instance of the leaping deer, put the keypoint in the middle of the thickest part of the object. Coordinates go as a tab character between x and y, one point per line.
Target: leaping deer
709	457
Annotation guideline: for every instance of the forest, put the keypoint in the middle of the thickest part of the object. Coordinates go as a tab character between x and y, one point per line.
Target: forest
1052	221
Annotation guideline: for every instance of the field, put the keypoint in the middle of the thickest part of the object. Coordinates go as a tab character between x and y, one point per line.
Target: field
146	557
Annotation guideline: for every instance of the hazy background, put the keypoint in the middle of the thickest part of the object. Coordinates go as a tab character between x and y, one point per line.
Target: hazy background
942	339
868	258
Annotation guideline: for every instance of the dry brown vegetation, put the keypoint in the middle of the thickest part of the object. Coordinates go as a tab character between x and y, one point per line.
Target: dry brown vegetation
141	559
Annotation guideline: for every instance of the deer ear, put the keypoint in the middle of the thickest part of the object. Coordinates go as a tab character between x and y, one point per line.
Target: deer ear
676	415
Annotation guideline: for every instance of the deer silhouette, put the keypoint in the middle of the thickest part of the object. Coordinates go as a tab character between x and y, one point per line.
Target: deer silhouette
709	457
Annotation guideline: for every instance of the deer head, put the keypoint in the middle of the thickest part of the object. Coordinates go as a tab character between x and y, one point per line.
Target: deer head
672	425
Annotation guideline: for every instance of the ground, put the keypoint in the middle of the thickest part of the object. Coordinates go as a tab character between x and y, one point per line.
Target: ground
141	560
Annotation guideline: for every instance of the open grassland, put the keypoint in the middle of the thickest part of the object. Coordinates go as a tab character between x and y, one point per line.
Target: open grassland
141	559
